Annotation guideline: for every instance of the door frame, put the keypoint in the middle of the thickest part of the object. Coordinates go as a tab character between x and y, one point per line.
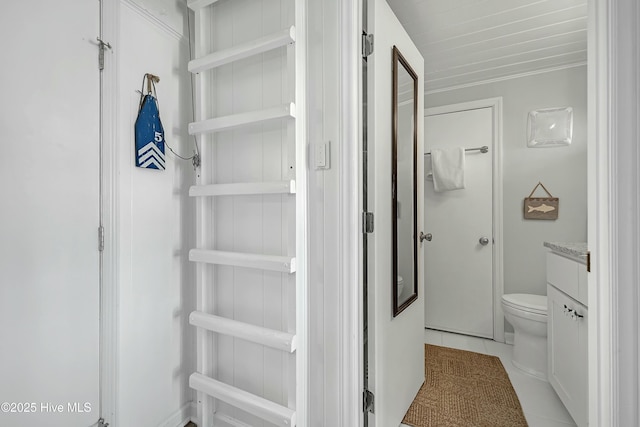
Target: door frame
497	204
109	219
613	214
603	373
349	162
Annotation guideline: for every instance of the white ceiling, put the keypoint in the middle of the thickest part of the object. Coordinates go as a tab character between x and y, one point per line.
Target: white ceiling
465	42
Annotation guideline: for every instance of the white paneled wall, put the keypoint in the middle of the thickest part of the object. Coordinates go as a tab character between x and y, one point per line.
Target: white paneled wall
155	219
260	218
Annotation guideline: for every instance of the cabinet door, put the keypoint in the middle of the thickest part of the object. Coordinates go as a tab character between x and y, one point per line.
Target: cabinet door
567	343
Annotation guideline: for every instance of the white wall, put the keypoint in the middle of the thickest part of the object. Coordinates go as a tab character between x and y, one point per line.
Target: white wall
562	170
155	218
327	189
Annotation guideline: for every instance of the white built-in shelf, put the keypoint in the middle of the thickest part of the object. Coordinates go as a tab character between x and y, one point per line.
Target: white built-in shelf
276	187
244	50
233	121
236	259
258	406
257	334
199	4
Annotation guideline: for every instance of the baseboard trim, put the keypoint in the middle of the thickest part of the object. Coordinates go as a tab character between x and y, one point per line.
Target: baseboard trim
181	417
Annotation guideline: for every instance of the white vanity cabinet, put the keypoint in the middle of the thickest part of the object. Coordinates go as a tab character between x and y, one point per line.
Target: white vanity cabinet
567	333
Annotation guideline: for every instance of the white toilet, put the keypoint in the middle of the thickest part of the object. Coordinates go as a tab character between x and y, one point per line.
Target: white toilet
528	315
400	285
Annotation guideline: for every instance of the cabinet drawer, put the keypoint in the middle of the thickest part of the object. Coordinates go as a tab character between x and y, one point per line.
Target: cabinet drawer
567	275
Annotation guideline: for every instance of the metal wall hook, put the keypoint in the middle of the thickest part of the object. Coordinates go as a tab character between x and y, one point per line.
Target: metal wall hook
103	44
152	79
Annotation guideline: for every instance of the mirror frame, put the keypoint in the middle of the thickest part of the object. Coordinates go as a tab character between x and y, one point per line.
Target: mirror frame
399	59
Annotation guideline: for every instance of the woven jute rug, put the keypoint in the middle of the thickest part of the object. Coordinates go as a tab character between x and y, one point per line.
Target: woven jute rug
464	389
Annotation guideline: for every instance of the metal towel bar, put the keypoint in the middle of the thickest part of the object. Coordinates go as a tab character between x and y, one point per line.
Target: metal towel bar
483	149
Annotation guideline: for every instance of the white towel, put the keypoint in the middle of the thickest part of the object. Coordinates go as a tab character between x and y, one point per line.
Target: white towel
448	168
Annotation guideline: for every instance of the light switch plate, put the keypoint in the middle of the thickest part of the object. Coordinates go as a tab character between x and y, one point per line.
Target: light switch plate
322	155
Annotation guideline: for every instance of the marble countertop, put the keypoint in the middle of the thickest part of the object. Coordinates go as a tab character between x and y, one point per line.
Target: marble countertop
575	250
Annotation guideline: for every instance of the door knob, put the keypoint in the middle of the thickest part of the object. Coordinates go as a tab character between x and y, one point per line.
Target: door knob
426	237
484	241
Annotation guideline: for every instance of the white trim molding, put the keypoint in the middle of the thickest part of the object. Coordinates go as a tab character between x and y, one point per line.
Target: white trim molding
151	16
498	247
614	213
350	100
302	302
504	78
180	417
109	31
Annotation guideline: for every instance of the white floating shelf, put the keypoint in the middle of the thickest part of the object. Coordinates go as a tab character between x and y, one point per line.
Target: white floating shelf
236	259
244	50
277	187
268	337
199	4
258	406
237	120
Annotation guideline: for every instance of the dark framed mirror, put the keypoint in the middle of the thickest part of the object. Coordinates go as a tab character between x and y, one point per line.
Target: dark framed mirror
404	183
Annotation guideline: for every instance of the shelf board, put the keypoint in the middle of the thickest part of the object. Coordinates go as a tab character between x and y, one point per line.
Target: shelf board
244	50
233	121
276	187
258	406
236	259
268	337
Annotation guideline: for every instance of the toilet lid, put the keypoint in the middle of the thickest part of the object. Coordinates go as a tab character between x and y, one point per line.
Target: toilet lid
527	302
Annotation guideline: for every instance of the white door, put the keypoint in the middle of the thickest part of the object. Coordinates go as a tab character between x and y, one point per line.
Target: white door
458	263
395	344
49	182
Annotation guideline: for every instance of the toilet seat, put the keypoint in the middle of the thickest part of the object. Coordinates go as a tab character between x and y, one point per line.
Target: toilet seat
536	304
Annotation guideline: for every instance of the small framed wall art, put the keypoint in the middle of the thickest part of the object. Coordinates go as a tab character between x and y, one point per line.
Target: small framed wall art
541	207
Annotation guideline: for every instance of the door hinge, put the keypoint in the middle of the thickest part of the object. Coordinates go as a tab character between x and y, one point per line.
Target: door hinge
368	401
367	45
367	222
101	238
102	423
102	45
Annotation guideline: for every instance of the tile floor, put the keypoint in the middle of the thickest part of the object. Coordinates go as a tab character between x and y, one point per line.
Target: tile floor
541	405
